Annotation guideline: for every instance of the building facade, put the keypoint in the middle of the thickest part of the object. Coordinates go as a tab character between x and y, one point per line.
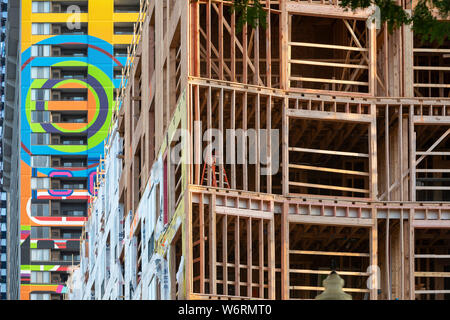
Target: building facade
328	147
69	56
3	216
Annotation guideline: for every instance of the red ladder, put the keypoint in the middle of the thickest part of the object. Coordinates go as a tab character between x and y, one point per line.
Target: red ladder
214	174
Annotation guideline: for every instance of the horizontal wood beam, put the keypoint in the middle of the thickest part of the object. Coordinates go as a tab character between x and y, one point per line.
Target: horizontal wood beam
329	11
326	115
332	152
313	168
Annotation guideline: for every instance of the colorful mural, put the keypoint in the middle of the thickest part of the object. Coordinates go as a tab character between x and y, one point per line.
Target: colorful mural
99	84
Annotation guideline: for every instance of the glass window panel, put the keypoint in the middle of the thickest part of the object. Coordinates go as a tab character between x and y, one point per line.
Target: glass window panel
40	210
40	72
40	50
40	94
40	232
40	139
40	116
40	183
40	161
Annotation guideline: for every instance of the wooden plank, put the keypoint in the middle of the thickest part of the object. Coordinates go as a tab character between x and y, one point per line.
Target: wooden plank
310	288
245	213
208	39
258	143
285	148
333	152
372	31
400	147
220	39
325	115
330	253
237	270
327	272
212	246
328	64
412	155
373	163
373	243
432	291
329	187
314	168
285	252
432	274
233	46
271	252
233	127
261	258
337	221
244	143
387	258
386	150
269	142
411	239
432	256
321	80
249	256
225	253
202	244
432	188
330	11
327	46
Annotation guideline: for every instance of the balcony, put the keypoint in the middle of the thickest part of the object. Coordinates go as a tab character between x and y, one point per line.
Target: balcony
123	28
73	140
69	117
121	50
69	208
69	95
66	162
68	184
126	6
69	73
63	6
69	50
66	233
62	29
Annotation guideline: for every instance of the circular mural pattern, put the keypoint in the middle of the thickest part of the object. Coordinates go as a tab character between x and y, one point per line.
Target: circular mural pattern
98	84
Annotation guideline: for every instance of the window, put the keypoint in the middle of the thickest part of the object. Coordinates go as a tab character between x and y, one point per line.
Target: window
40	50
40	210
40	277
41	7
71	235
40	116
40	139
40	296
40	94
40	183
70	257
40	28
40	232
40	255
40	161
40	72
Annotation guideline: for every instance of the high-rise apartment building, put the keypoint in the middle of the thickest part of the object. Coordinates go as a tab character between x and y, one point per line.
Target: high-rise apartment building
68	56
3	217
330	150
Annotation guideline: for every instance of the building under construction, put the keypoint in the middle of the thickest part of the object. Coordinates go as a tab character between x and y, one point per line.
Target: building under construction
343	159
